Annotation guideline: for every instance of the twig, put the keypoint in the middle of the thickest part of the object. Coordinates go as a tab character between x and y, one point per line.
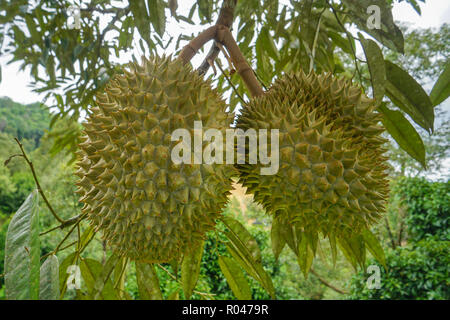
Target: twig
349	37
231	84
63	248
223	35
205	294
67	235
225	18
329	285
30	164
391	236
67	223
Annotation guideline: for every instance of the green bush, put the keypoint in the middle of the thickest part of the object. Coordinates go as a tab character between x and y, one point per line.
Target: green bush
428	207
416	272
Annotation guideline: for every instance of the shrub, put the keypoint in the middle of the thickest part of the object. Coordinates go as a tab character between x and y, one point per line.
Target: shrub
419	271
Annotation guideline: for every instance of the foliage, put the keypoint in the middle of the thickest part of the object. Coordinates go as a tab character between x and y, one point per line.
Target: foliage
416	272
427	206
23	121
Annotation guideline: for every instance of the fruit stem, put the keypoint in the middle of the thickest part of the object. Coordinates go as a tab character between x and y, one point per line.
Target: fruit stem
223	35
225	18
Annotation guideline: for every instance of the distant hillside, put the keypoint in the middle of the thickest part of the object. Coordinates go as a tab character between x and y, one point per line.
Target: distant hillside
23	121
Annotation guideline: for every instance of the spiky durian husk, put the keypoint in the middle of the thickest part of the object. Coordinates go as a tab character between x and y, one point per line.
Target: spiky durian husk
148	207
331	179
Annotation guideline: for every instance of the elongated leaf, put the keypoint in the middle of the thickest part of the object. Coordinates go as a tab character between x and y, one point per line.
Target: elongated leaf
49	283
305	256
190	269
277	239
332	239
404	133
22	252
377	68
148	282
205	9
175	295
142	20
441	89
374	246
245	256
268	43
157	16
235	278
91	272
119	274
388	34
71	259
409	96
238	231
354	250
102	280
63	272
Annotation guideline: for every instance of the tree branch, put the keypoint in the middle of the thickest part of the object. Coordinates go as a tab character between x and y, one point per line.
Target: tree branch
329	285
30	164
223	35
226	16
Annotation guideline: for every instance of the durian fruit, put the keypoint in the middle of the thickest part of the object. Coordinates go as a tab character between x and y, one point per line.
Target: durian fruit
331	179
148	207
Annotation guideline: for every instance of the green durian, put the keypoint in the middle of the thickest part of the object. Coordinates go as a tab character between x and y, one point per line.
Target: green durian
147	207
332	172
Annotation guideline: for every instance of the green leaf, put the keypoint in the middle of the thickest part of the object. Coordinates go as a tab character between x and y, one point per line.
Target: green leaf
374	246
119	275
277	239
63	274
22	252
157	16
245	256
404	133
148	282
235	278
190	269
409	96
377	68
175	295
245	239
49	283
205	9
332	239
102	280
354	250
441	89
267	42
98	284
389	34
305	255
141	20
